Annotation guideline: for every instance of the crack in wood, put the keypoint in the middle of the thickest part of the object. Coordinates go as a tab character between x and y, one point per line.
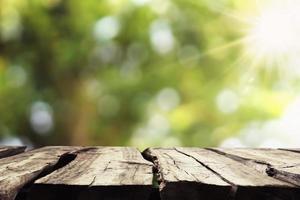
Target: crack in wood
234	187
185	171
7	151
63	160
265	167
295	150
19	172
156	167
100	173
179	168
239	158
206	166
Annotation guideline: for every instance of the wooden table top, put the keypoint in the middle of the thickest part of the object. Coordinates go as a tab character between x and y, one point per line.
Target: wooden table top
125	173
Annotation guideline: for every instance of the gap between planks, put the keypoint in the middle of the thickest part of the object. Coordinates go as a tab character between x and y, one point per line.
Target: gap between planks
59	167
282	164
69	154
7	151
210	162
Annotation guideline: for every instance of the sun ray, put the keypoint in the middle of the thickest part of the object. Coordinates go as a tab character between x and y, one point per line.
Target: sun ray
224	47
273	37
232	14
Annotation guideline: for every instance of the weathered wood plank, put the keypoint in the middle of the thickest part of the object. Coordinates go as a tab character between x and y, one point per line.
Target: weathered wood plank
245	182
250	183
21	169
122	173
297	150
280	164
99	173
175	166
6	151
182	177
231	170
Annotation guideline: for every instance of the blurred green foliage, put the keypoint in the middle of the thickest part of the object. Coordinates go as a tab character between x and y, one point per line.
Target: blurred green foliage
120	72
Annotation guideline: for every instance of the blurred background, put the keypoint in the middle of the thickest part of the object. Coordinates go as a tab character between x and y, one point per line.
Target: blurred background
150	72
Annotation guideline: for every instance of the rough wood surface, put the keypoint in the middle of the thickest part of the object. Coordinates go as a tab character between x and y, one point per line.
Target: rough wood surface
19	170
99	173
280	164
194	171
6	151
182	177
123	173
290	149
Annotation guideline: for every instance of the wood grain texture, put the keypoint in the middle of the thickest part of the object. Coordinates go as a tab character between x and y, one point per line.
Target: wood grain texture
6	151
183	177
19	170
202	168
122	173
99	173
234	172
281	164
290	149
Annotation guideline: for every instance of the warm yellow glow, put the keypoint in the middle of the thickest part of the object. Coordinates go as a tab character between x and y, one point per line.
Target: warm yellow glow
275	34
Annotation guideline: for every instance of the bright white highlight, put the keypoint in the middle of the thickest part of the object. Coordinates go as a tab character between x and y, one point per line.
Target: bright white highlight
41	117
161	37
106	28
168	99
282	132
11	141
274	35
140	2
227	101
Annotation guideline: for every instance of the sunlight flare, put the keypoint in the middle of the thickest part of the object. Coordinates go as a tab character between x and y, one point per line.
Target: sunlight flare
273	38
